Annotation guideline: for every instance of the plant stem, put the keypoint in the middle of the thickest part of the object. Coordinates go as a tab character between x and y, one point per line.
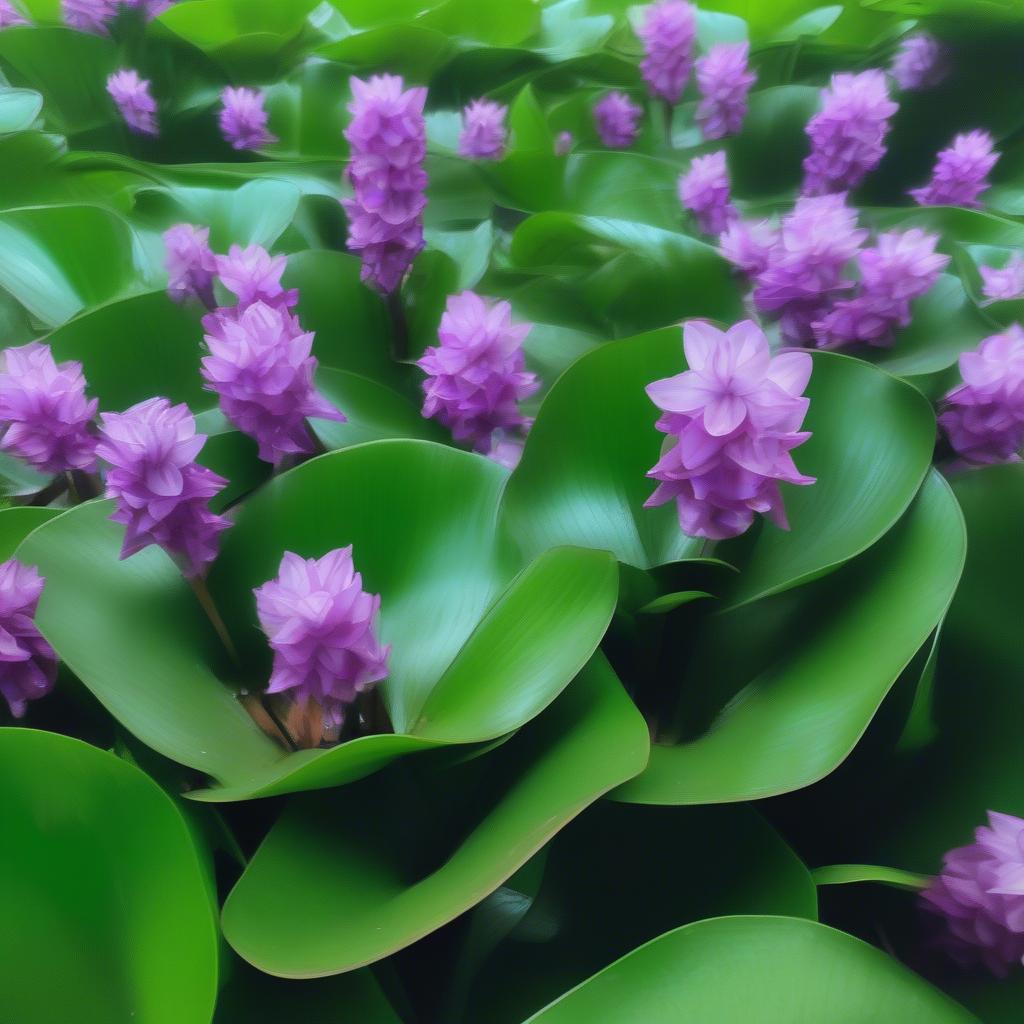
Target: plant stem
400	326
667	111
199	588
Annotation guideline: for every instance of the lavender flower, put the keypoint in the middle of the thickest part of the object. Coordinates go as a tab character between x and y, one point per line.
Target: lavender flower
388	139
243	121
617	117
563	143
724	81
961	172
980	896
322	627
28	664
477	375
668	32
984	416
735	416
900	268
804	272
260	364
920	63
151	8
483	131
747	245
704	190
162	494
253	275
45	418
89	15
1006	283
848	134
133	99
190	263
10	15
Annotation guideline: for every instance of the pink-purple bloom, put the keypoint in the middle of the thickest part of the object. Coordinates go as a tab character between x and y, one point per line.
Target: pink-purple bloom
162	494
563	143
899	268
261	365
804	271
1003	283
617	118
704	191
388	138
476	377
483	134
243	120
848	133
747	245
724	79
920	62
253	275
668	30
961	172
322	627
735	415
10	15
89	15
190	263
28	664
45	417
984	416
979	897
133	99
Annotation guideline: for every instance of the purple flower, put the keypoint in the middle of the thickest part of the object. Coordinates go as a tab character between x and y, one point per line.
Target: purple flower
724	81
162	494
920	63
477	375
1006	283
961	172
483	131
747	245
253	275
190	263
819	237
563	143
322	627
243	121
388	138
735	416
668	31
28	664
704	190
900	268
984	416
616	116
980	896
848	133
89	15
137	106
260	365
10	15
506	452
151	8
45	418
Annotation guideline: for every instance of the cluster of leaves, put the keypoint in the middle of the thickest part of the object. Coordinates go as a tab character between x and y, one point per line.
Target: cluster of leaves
585	707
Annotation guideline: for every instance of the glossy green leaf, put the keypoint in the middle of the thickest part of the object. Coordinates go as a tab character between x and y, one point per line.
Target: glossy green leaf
18	109
669	602
846	874
102	888
367	890
17	523
775	970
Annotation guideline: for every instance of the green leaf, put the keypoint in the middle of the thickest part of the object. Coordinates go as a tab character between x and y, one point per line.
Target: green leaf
102	888
366	891
18	109
845	874
17	523
775	970
669	602
307	113
469	248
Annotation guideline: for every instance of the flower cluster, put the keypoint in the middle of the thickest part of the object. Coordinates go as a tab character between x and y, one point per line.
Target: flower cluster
724	79
984	417
735	415
253	275
961	172
668	31
133	99
28	664
617	118
901	267
322	626
848	133
920	62
89	15
162	494
45	418
243	121
704	191
476	376
387	135
10	15
563	143
483	134
980	896
747	245
190	263
1000	284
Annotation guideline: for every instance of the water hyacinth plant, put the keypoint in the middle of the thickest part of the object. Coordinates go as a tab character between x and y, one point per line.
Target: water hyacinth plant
511	513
